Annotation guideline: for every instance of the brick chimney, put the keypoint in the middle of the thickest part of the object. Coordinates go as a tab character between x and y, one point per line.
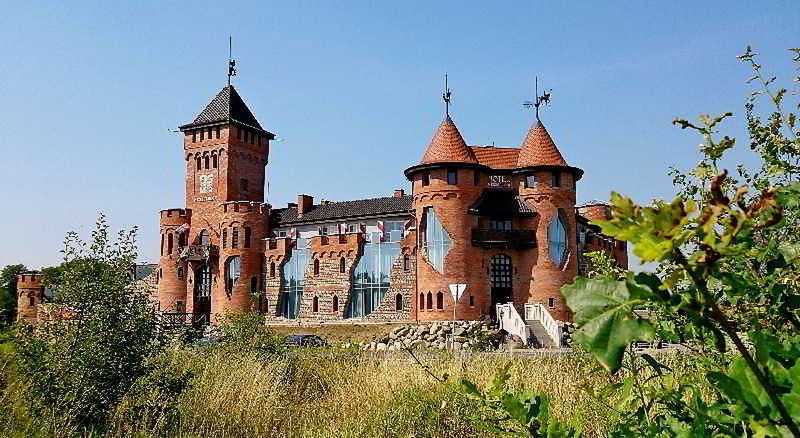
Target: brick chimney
304	204
399	193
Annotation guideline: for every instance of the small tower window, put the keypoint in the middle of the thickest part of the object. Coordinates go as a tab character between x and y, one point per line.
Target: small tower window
439	300
209	133
199	163
253	285
341	265
551	303
530	181
162	244
204	238
426	179
430	301
207	161
214	161
194	136
224	237
452	176
272	269
335	303
398	302
180	272
202	134
556	179
472	301
316	267
218	132
406	263
247	234
235	238
233	269
169	243
421	301
31	300
315	305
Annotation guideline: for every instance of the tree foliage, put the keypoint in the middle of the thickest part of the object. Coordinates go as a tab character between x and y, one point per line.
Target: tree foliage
728	250
80	367
8	292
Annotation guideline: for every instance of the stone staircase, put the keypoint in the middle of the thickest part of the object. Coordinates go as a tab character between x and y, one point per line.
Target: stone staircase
538	328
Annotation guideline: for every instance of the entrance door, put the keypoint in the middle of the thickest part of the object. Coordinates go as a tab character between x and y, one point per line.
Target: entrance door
500	281
202	295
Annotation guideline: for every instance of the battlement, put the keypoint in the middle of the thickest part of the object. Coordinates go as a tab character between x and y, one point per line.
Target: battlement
245	207
176	212
29	280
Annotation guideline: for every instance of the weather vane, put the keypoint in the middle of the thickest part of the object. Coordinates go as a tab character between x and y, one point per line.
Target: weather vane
446	97
543	99
231	61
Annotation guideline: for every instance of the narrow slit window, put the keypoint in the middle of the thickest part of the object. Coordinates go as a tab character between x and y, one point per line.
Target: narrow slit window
235	237
452	176
247	235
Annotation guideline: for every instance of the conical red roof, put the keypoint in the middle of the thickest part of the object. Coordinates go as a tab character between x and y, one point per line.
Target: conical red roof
538	149
447	146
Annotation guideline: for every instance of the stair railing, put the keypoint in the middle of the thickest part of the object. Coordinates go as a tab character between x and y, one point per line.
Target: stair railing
537	312
511	321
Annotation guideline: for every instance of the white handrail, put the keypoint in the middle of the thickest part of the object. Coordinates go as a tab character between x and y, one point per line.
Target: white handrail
511	321
537	312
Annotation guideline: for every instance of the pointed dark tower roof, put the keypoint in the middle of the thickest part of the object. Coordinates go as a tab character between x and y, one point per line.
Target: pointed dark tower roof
226	107
447	146
539	149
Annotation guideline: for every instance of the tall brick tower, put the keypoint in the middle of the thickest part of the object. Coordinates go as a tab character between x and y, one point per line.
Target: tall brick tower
549	187
211	251
29	295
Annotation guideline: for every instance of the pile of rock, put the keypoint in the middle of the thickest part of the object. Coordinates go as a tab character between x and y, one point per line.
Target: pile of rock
567	332
453	335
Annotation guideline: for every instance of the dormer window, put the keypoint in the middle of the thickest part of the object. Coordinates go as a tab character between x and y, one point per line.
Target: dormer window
452	177
426	179
530	181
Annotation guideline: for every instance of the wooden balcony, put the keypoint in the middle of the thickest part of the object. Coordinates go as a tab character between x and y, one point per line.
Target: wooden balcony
509	239
199	253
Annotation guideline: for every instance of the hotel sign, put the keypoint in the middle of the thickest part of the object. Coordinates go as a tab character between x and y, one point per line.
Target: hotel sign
499	181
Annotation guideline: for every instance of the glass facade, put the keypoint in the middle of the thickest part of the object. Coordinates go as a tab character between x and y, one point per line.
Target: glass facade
293	282
436	241
557	234
371	278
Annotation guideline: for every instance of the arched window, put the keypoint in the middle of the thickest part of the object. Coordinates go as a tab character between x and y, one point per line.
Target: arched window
214	161
182	239
551	302
316	266
315	305
341	265
31	300
421	301
204	238
439	300
430	301
398	302
199	163
557	236
235	237
224	237
406	264
233	269
435	239
169	243
247	232
272	269
207	161
335	303
253	285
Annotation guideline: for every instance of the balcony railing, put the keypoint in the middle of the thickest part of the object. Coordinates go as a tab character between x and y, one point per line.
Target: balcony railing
178	319
199	253
509	239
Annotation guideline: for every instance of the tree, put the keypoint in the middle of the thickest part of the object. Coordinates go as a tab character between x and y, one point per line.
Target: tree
729	276
8	292
81	367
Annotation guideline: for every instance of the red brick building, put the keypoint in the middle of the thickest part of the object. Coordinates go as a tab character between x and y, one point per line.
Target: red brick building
502	221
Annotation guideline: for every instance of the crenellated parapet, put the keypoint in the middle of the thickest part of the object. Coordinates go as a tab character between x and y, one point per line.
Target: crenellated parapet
30	292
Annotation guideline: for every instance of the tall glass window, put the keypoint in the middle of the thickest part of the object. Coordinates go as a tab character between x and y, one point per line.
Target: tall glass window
371	278
557	235
436	241
293	282
233	269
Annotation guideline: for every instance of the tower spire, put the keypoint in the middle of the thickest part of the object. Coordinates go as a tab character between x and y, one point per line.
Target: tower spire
446	97
231	61
543	99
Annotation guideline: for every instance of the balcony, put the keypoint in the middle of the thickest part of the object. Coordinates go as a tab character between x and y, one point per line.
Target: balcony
509	239
199	253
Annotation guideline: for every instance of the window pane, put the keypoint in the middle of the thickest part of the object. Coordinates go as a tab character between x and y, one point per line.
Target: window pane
557	234
293	282
371	278
436	240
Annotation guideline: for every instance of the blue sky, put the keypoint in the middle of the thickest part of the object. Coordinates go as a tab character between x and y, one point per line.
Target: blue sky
90	92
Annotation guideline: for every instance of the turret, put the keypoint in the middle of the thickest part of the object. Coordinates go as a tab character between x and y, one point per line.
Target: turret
29	296
547	183
174	225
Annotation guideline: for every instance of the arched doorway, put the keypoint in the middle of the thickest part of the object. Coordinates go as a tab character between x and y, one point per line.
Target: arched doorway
202	294
500	281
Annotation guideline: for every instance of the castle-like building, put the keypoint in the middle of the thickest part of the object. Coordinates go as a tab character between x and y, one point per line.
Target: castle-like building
498	224
501	221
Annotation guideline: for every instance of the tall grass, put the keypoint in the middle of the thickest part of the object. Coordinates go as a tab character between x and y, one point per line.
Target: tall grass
214	392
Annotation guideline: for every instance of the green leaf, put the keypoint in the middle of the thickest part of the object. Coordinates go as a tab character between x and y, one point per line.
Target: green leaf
469	388
604	314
